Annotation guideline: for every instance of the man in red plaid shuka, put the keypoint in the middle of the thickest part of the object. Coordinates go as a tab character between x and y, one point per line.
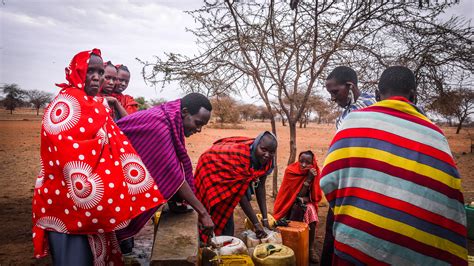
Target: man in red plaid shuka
224	173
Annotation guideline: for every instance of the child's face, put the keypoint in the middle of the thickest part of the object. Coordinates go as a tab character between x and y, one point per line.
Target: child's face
123	77
306	161
94	74
110	78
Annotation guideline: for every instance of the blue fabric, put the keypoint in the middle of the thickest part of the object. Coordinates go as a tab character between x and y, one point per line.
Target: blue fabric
364	100
71	250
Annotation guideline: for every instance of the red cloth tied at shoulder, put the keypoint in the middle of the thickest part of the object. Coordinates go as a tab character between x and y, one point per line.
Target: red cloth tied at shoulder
293	181
92	181
223	174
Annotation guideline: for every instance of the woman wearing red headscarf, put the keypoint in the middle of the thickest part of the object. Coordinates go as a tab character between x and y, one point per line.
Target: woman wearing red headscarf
92	182
299	196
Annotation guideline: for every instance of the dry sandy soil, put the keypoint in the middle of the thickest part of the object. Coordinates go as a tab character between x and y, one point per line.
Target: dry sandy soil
19	157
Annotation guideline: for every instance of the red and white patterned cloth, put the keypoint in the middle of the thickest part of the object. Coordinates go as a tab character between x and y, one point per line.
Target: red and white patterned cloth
92	181
311	214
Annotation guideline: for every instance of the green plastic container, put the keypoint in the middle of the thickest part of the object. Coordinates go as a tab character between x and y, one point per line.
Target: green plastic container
470	221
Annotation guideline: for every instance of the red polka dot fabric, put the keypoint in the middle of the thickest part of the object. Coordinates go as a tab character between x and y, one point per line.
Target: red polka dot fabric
92	181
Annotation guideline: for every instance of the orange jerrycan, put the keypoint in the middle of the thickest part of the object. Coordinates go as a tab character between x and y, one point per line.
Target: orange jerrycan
296	237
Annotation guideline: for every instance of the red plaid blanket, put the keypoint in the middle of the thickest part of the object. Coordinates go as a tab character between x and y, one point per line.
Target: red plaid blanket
223	174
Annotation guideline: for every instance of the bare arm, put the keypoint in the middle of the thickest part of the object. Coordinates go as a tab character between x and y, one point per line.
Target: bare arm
114	103
205	220
307	183
249	212
261	194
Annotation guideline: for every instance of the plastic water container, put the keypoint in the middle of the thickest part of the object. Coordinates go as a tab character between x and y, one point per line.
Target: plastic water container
470	221
296	237
229	245
251	241
273	255
249	225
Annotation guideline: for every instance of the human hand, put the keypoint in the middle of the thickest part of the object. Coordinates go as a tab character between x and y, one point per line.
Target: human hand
311	174
259	231
265	223
205	223
111	100
299	200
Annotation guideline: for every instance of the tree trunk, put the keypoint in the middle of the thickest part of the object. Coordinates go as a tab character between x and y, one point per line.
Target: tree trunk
283	122
460	124
275	169
292	125
301	123
11	111
37	111
458	128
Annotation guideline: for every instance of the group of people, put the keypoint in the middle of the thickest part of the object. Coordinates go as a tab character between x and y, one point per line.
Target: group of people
389	177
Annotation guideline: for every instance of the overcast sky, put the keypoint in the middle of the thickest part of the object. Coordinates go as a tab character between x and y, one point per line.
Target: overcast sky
39	38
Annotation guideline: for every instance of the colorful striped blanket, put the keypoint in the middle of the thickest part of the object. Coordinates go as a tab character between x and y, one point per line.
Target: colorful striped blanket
396	193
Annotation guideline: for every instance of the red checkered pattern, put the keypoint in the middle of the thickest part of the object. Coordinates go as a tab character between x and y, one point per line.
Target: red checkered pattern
223	174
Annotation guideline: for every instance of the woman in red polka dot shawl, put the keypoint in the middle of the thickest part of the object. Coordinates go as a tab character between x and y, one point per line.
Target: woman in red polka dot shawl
92	182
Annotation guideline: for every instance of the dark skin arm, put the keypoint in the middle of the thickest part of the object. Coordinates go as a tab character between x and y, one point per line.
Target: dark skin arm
250	213
205	221
261	194
302	195
114	103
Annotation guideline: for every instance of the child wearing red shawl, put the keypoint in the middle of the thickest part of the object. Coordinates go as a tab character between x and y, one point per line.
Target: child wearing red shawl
92	182
127	101
107	91
300	186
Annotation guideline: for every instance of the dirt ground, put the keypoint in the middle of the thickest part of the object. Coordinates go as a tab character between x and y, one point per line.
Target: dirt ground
19	157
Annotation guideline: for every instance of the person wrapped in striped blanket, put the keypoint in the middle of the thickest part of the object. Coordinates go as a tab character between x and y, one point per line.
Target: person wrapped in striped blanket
393	185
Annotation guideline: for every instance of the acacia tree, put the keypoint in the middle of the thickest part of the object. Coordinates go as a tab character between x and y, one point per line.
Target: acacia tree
279	112
248	111
264	114
225	108
279	54
39	98
466	107
440	56
14	97
325	110
456	103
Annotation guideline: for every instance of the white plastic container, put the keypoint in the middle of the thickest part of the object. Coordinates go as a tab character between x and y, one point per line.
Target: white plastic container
251	240
228	245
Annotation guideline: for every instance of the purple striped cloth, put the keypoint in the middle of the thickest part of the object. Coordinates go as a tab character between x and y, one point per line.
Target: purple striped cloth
157	134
